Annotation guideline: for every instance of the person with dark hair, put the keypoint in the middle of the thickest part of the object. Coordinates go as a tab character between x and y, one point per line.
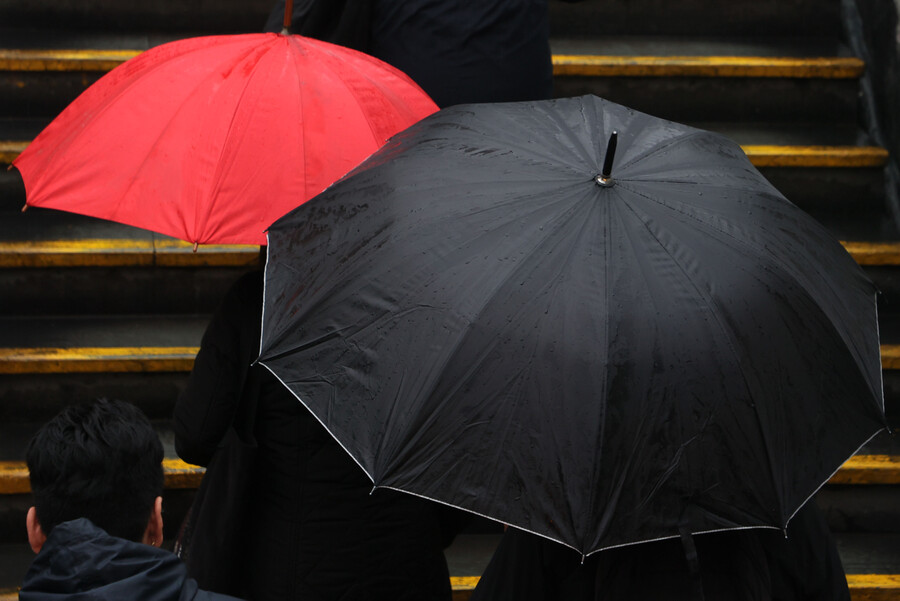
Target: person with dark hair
97	479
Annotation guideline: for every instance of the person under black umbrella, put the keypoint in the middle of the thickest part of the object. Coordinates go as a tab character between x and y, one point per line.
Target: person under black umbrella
801	564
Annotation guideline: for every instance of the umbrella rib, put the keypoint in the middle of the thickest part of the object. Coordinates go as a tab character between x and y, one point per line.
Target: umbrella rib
217	179
658	148
162	131
799	276
729	336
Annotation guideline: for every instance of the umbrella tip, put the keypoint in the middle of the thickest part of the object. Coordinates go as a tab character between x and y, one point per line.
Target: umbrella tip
195	246
24	207
605	178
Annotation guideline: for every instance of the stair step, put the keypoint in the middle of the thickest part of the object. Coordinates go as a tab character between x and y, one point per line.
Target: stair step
580	66
707	66
584	64
177	474
140	359
695	17
863	587
860	469
760	155
124	252
162	251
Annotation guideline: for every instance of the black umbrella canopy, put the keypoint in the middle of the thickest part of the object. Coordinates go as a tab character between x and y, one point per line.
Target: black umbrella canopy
479	321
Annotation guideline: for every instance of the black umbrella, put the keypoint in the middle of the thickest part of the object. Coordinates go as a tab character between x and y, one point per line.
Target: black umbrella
480	317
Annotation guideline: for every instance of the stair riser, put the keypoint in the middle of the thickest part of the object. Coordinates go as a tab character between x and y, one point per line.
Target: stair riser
723	99
696	17
594	17
35	398
861	508
202	15
45	94
124	290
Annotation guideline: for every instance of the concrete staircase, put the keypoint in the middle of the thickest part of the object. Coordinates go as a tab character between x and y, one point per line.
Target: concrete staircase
91	308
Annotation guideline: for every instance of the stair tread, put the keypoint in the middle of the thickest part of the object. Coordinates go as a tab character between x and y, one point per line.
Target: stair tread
178	474
604	56
15	134
47	235
869	561
103	41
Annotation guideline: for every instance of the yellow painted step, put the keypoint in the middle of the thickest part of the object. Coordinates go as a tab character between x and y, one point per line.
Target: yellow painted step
124	253
136	359
96	360
861	469
177	473
563	64
707	66
759	155
863	587
63	60
174	253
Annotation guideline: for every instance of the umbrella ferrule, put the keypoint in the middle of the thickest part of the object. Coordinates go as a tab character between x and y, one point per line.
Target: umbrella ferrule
605	182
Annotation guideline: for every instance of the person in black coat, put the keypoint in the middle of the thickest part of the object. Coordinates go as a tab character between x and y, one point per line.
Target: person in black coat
458	51
97	478
316	529
747	565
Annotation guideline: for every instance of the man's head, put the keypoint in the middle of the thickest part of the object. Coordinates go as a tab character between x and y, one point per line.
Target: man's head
101	461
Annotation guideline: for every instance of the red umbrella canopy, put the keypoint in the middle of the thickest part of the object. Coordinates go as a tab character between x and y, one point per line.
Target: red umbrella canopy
211	139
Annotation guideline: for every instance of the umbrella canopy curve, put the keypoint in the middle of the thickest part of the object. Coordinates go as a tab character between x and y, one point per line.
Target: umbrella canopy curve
479	320
210	139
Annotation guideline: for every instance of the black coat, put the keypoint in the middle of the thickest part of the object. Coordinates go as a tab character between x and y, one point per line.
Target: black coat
746	565
458	51
316	532
81	561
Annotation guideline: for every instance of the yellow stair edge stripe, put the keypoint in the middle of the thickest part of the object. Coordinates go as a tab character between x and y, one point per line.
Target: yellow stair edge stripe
63	60
10	149
137	359
586	65
136	253
860	469
177	475
124	253
890	356
816	156
874	253
707	66
869	469
760	155
863	587
96	360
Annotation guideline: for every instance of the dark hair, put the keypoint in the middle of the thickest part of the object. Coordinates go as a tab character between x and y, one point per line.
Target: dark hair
101	461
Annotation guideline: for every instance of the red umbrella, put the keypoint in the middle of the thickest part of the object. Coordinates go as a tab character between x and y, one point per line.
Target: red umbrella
211	139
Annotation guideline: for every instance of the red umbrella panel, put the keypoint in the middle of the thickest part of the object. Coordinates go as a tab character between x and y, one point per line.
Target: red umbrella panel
211	139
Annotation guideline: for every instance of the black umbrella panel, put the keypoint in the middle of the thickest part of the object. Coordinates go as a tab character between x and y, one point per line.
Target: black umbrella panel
480	317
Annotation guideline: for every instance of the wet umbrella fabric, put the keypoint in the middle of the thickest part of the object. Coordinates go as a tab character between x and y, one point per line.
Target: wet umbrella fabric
210	139
477	321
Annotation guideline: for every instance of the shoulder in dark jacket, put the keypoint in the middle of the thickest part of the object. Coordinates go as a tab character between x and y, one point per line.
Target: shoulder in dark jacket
79	560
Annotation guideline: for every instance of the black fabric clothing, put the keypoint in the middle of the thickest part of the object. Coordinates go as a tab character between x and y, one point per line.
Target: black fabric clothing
315	530
81	561
460	51
754	564
805	564
526	567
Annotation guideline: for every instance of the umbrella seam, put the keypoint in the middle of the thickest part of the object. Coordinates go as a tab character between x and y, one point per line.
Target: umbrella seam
729	336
